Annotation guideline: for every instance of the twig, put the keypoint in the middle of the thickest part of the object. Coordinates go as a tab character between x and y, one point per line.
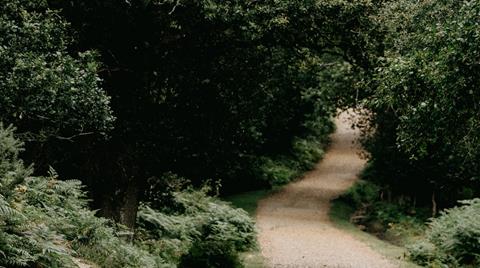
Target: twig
74	136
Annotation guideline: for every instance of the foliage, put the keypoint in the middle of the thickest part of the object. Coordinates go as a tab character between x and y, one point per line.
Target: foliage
215	86
452	239
281	169
46	91
46	222
362	193
424	100
204	233
395	220
422	130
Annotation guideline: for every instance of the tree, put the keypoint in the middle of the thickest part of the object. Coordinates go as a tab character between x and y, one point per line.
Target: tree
205	88
426	102
45	91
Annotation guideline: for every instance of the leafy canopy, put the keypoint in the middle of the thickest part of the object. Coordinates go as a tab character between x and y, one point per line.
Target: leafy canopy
44	90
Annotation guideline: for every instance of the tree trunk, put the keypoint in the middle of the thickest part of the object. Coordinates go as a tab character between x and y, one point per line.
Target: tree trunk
120	203
128	209
434	205
122	206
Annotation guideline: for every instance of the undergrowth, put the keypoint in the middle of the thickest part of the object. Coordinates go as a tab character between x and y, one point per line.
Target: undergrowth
46	222
395	222
281	169
450	240
204	232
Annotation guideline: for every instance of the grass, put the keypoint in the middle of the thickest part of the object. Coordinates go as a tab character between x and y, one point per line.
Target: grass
340	215
247	201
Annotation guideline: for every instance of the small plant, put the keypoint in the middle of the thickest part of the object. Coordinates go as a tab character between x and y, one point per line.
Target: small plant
392	221
361	194
208	233
46	222
278	172
453	239
306	152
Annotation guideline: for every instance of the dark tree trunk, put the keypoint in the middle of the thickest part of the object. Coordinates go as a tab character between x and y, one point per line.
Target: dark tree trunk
129	207
119	197
122	205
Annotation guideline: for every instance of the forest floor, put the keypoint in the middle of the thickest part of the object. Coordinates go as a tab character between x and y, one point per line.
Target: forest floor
295	229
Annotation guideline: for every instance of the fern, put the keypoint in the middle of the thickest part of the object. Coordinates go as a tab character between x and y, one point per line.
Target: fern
46	222
5	210
208	233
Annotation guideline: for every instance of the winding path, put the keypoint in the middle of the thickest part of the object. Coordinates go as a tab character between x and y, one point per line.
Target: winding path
294	226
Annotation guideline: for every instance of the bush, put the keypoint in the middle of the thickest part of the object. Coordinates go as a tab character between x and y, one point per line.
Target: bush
45	91
362	193
46	222
282	169
278	171
453	239
307	152
394	221
208	233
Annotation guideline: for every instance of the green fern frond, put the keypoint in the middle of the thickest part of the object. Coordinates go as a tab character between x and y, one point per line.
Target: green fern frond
6	210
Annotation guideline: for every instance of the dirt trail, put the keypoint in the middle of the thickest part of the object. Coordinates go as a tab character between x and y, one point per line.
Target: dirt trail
294	226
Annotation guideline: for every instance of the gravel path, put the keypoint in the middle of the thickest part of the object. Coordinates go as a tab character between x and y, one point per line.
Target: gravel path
294	226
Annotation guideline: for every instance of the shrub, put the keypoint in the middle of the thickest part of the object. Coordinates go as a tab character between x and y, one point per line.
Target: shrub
394	221
278	171
45	91
453	239
307	152
209	233
362	193
46	222
282	169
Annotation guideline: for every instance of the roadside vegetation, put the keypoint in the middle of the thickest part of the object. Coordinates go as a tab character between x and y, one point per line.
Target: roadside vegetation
47	221
421	132
450	240
157	108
